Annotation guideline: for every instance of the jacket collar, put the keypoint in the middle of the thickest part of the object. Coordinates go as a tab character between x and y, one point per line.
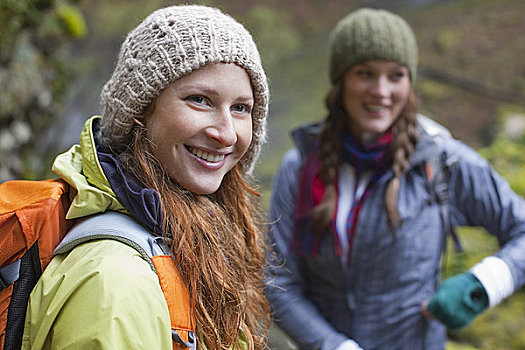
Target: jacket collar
101	183
143	203
305	138
80	168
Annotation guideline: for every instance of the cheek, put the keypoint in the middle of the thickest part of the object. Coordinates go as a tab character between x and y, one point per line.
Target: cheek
352	98
156	136
164	142
244	135
401	94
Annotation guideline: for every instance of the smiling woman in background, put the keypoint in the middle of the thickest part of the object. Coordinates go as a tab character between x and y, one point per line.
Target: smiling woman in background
362	205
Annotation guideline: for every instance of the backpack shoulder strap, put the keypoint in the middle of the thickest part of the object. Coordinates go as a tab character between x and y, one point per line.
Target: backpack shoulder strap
438	174
116	226
123	228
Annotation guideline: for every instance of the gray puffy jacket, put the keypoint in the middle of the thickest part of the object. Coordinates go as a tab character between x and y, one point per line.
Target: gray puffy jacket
376	299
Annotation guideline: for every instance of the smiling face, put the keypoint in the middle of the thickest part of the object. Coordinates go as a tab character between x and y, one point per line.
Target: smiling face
201	125
374	94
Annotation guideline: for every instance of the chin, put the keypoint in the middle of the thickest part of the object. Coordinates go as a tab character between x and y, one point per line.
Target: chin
378	129
199	184
202	190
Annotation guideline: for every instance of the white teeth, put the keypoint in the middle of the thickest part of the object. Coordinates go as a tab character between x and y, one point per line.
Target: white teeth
376	108
207	156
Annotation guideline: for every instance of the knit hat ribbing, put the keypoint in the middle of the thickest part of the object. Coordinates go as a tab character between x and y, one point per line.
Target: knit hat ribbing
371	34
169	43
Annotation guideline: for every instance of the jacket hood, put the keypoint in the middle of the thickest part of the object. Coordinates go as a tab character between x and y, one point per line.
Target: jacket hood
80	168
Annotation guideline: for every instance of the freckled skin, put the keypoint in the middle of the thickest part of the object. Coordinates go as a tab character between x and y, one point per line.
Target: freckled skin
201	125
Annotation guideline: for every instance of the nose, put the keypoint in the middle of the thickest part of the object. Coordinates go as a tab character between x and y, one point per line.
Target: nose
222	128
381	87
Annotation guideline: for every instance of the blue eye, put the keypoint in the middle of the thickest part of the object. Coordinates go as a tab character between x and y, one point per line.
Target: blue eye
242	108
197	99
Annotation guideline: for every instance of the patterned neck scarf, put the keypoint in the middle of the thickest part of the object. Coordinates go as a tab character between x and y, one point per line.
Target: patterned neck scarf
363	158
370	157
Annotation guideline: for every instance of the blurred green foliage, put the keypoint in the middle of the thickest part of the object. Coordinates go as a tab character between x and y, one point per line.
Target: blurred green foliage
73	20
507	152
273	26
445	40
35	74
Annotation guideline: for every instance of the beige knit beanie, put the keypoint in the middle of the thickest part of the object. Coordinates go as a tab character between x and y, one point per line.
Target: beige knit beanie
371	34
168	44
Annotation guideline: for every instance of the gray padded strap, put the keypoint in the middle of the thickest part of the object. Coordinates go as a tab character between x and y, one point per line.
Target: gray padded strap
117	226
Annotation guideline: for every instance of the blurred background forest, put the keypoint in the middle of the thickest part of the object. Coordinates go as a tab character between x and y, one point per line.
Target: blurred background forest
55	55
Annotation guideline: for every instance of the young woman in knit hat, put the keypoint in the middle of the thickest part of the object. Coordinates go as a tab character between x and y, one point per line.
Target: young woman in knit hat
184	118
359	221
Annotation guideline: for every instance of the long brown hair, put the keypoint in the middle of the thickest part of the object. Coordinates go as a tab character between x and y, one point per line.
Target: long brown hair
399	151
217	243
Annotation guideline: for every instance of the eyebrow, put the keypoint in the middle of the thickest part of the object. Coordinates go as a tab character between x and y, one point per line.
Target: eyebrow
246	99
200	87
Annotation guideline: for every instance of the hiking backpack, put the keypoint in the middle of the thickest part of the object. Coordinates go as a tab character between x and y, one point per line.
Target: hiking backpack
33	228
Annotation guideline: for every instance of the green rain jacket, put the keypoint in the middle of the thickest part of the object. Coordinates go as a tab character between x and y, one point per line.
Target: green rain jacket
103	294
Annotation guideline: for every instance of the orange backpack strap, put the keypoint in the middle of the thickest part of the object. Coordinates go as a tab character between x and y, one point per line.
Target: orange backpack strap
123	228
178	299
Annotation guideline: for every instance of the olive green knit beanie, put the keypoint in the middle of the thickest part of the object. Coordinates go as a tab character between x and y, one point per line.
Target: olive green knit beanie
371	34
168	44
